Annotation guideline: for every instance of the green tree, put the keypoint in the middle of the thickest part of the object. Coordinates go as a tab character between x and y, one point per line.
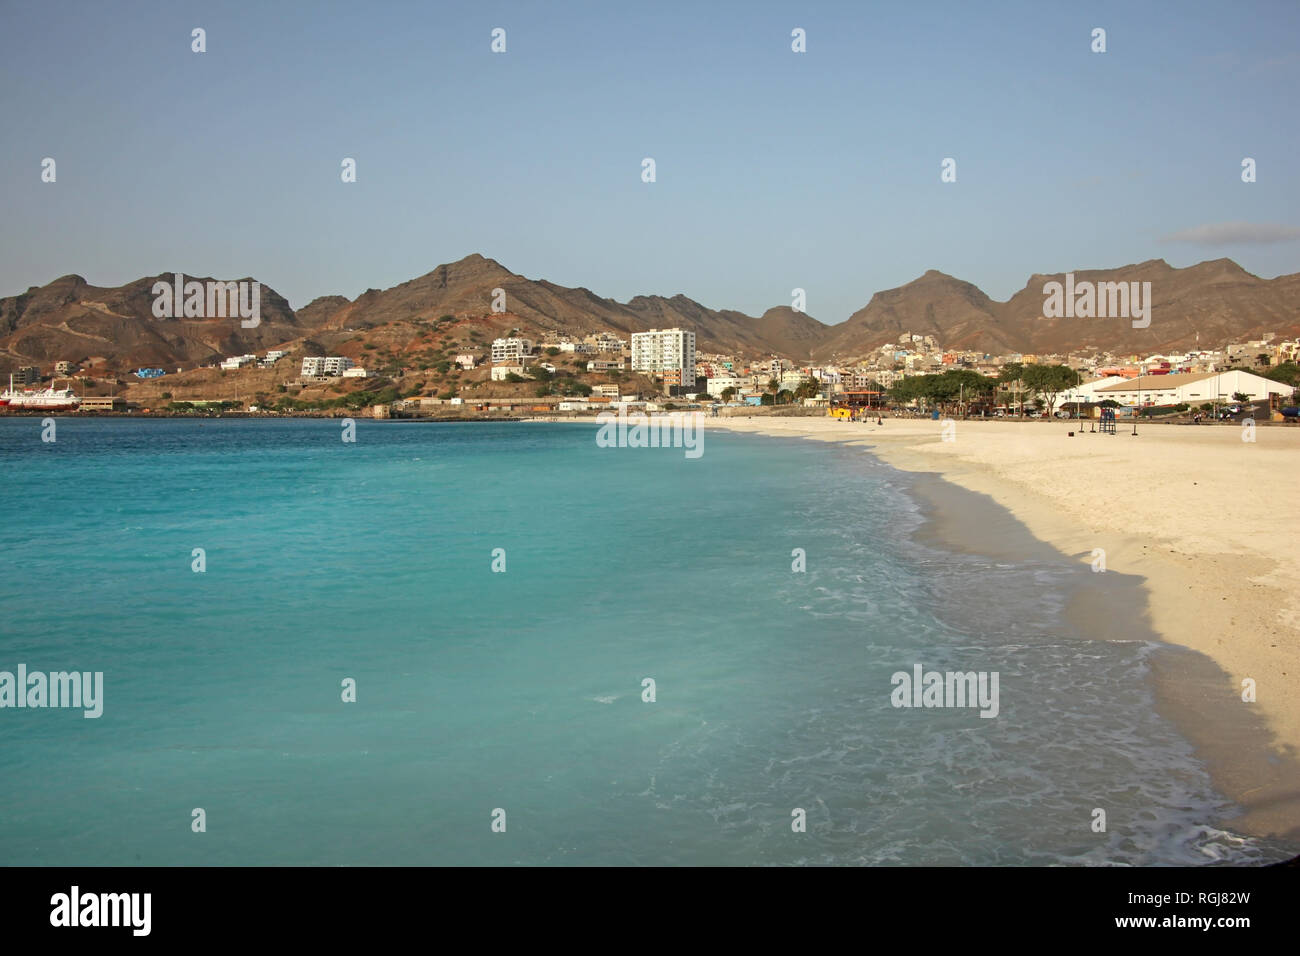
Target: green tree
808	388
1011	372
728	393
1010	378
1049	381
1288	373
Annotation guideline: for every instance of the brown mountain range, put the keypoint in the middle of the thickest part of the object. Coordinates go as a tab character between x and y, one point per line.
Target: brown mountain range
1217	300
70	319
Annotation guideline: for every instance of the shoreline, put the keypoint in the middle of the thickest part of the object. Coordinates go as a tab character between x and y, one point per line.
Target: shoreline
1208	584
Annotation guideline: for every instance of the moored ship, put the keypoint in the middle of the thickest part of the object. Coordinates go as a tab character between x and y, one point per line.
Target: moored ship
40	400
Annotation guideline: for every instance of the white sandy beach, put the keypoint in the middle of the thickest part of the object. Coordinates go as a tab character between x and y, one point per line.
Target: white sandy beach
1208	520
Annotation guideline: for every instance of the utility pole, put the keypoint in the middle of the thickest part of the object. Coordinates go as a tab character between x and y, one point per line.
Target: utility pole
1139	408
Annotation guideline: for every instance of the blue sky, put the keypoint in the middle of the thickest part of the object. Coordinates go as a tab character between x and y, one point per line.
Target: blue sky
775	170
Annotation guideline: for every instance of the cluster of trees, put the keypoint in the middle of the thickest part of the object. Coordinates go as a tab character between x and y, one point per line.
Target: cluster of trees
562	382
1288	373
192	408
353	401
944	389
1045	382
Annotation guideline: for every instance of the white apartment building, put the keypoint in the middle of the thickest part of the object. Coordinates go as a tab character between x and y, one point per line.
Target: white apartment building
499	372
668	350
716	386
466	361
511	351
578	348
355	371
238	361
321	366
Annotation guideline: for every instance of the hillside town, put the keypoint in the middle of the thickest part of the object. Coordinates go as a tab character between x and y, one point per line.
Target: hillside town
562	373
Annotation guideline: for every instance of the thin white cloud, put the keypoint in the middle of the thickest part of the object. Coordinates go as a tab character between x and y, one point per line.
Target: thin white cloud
1230	233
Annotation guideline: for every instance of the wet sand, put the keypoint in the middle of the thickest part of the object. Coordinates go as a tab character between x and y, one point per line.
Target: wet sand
1197	541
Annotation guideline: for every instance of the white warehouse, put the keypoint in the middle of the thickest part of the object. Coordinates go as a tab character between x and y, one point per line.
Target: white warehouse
1192	389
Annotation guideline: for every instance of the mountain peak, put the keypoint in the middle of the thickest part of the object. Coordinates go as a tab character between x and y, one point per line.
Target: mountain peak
1223	266
476	261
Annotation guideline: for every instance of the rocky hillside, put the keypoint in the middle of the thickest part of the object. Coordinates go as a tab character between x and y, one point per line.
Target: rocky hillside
115	327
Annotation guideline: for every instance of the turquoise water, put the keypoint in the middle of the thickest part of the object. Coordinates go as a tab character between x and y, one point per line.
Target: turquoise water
522	690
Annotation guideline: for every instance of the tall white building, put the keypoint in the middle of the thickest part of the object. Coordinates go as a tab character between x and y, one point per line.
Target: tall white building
667	352
510	351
